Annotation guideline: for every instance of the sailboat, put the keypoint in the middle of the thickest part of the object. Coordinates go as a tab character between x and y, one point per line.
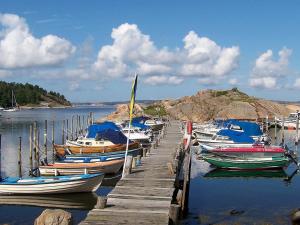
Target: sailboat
14	105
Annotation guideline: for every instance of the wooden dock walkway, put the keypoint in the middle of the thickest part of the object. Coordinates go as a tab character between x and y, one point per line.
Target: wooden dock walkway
144	196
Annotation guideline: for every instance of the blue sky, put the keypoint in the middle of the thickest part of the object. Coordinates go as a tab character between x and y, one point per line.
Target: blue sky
177	47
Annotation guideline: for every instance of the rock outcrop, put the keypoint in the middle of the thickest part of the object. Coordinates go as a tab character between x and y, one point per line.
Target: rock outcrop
211	104
54	217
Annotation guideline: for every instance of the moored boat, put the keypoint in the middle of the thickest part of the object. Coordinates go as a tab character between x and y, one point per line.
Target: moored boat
65	168
246	163
51	185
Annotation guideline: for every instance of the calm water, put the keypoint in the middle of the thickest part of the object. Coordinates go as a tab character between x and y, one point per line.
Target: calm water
16	124
218	197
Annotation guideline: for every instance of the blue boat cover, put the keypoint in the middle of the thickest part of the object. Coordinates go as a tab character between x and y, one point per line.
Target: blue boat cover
95	128
141	119
140	125
115	136
250	128
236	136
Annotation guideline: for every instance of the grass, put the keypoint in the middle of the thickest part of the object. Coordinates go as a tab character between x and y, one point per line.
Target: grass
155	110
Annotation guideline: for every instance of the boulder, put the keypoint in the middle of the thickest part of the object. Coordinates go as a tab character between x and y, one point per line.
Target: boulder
54	217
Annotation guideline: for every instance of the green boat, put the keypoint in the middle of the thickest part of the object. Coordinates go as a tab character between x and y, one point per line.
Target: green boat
246	163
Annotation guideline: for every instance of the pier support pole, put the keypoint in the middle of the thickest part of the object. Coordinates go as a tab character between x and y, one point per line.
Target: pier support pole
67	129
128	165
30	148
45	141
297	128
282	139
0	154
63	132
20	157
275	124
35	141
52	142
267	123
72	128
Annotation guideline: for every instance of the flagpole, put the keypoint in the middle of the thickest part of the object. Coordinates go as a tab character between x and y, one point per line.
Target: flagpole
131	106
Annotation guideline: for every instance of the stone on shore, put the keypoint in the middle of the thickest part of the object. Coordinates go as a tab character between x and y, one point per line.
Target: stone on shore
54	217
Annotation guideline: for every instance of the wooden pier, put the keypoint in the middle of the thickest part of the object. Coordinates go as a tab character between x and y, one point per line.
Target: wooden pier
145	195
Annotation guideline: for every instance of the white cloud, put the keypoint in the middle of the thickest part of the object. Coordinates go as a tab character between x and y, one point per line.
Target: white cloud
267	71
158	80
20	49
297	83
132	51
264	82
233	81
205	58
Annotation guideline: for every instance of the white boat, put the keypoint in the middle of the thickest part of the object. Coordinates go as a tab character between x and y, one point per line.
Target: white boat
14	105
137	135
51	185
154	124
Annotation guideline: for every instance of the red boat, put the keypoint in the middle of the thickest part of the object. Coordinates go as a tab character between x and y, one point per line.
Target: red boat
255	151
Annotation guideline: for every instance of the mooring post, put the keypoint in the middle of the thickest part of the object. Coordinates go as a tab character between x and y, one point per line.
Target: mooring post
38	148
275	123
128	165
267	123
0	154
63	132
297	128
30	147
282	140
72	128
52	142
79	125
174	214
138	160
76	127
67	129
45	141
20	157
34	140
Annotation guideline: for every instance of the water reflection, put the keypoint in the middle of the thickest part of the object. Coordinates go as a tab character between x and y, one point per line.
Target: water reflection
81	201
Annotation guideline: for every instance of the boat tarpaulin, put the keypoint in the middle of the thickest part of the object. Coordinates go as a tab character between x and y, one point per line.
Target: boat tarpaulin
95	128
115	136
140	125
250	128
141	119
236	136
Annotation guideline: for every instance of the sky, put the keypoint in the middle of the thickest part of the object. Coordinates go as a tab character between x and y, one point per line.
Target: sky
90	50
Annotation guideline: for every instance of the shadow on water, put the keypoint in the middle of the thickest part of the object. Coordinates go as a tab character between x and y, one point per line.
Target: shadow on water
219	197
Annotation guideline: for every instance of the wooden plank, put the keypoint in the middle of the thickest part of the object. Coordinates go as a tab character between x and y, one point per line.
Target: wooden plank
143	191
145	183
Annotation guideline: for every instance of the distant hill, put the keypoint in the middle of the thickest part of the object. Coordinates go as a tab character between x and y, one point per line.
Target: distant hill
211	104
30	95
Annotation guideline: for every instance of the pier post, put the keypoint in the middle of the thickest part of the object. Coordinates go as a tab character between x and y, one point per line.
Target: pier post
101	202
275	123
267	123
63	132
45	141
67	129
52	142
138	160
38	148
297	128
174	214
72	128
128	165
20	157
79	125
34	141
30	148
0	154
282	139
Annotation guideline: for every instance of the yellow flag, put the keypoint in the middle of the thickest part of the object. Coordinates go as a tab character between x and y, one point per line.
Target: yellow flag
132	100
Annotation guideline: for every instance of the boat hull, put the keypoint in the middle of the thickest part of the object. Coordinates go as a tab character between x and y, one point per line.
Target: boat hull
107	167
84	183
247	164
62	149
